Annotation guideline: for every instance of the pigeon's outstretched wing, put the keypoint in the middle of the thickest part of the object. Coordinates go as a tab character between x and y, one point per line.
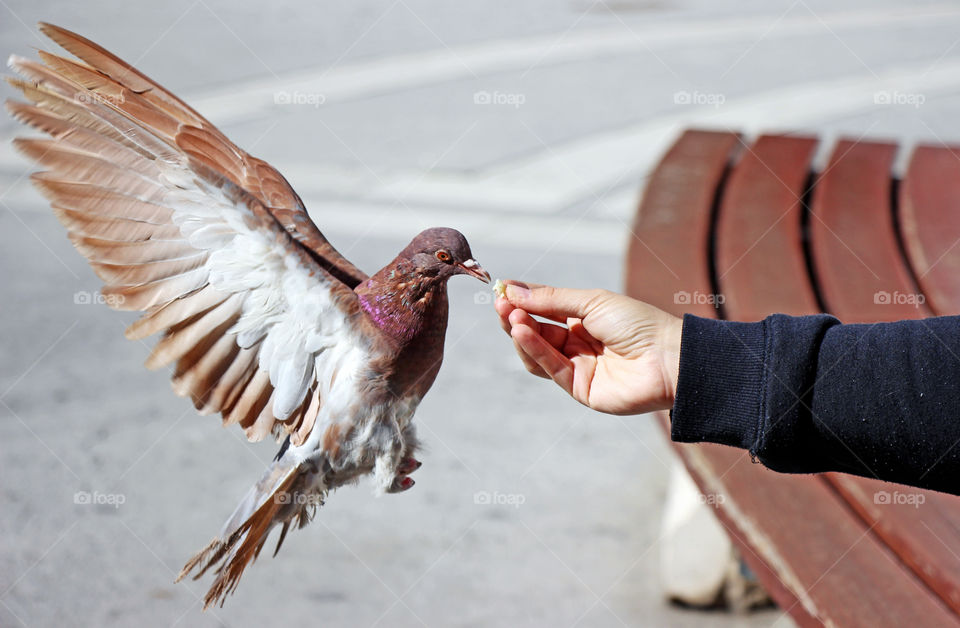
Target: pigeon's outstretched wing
256	308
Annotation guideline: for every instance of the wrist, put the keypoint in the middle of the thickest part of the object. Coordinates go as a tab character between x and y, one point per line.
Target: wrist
670	343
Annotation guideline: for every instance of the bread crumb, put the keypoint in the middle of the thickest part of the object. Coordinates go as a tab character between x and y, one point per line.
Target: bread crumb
500	288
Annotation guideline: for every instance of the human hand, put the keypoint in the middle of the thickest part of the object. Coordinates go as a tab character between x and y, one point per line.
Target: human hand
614	354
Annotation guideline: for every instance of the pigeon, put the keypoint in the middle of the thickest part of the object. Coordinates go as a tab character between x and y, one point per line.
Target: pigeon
264	322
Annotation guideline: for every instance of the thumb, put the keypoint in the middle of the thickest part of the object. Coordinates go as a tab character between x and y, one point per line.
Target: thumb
557	304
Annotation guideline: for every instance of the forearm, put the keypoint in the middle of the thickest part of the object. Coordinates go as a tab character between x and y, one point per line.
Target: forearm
808	394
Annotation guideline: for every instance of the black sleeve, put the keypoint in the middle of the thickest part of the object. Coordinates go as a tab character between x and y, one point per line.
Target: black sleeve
809	394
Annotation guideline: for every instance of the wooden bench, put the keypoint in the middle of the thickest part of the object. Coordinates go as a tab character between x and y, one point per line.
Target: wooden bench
756	225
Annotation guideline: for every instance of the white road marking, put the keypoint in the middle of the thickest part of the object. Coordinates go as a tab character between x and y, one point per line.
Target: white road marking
565	174
252	99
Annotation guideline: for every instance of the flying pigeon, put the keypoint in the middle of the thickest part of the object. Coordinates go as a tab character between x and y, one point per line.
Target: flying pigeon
264	321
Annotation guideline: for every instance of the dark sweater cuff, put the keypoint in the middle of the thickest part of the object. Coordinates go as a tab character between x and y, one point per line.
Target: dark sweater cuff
719	390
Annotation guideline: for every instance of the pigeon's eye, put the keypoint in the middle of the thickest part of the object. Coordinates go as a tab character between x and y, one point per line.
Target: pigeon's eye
444	257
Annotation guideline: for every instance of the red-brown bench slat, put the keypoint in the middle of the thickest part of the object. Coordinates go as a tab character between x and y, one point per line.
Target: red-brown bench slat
759	244
919	526
668	253
860	270
857	256
930	223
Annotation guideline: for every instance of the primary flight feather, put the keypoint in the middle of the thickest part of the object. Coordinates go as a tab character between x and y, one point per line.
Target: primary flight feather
264	321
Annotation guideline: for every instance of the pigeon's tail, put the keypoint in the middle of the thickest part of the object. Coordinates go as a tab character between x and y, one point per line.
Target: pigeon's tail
288	492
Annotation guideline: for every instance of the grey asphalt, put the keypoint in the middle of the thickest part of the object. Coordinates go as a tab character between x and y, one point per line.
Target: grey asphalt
529	509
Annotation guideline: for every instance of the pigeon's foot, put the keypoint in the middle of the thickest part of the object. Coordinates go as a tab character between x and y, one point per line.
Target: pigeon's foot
401	484
408	465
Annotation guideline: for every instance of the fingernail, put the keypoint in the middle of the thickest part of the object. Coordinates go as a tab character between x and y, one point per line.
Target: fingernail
517	293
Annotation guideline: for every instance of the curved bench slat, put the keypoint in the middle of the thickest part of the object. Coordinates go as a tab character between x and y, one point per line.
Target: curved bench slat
930	223
860	269
667	256
760	258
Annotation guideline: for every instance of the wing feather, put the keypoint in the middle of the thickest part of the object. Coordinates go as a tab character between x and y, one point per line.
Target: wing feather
109	228
146	272
136	252
100	201
195	334
175	312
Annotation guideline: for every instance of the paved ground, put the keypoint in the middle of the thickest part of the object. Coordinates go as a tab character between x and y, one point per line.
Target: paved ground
528	124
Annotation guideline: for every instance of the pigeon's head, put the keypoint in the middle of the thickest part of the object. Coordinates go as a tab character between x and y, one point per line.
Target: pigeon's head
443	253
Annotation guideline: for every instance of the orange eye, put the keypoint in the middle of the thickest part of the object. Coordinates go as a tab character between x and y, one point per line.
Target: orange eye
444	257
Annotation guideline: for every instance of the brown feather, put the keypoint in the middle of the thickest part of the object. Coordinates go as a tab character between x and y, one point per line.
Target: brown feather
56	106
115	95
175	312
200	380
232	383
54	85
138	252
147	295
240	548
262	426
102	201
78	135
254	396
183	338
117	229
305	423
74	162
205	344
111	65
83	172
138	274
213	153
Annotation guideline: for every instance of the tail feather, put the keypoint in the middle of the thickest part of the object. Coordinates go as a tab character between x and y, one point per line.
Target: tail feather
274	500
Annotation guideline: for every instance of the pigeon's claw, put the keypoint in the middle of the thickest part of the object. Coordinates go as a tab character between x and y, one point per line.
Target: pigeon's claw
408	465
402	483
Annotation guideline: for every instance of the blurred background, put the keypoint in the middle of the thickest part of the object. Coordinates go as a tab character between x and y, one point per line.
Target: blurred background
530	126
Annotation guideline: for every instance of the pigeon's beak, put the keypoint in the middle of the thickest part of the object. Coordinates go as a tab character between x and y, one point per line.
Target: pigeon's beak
472	268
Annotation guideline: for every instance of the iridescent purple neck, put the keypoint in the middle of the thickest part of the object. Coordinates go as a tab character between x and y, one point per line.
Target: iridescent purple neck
395	322
402	303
